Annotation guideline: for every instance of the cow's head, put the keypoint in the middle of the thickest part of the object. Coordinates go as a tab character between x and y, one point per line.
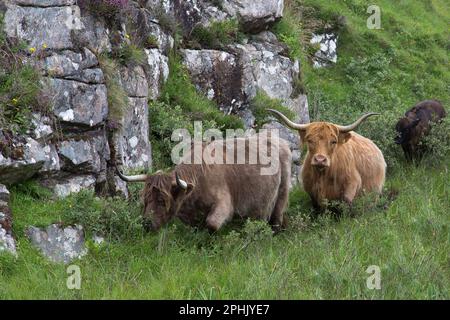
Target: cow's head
322	138
405	126
163	196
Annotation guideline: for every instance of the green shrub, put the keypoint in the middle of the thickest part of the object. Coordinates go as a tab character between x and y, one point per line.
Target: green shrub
246	238
261	103
164	119
437	144
18	93
256	231
131	54
288	30
112	218
104	8
217	35
151	41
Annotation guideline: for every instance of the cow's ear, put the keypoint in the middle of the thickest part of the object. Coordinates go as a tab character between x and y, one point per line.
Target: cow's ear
344	137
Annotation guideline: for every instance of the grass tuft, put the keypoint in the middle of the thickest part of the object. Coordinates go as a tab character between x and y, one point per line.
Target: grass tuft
261	103
117	97
217	35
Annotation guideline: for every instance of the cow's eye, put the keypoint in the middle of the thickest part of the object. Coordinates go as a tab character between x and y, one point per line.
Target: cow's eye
333	142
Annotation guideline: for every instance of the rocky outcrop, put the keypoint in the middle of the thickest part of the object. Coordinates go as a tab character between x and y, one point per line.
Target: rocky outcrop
73	147
76	145
23	157
84	155
232	78
217	75
158	71
327	53
65	185
266	68
7	242
50	25
45	3
253	15
79	104
57	243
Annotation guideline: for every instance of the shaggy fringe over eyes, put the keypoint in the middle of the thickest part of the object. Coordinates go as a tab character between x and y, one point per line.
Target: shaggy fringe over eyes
163	181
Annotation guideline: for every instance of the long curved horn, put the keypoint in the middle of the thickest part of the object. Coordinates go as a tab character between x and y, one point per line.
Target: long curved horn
355	124
138	178
288	122
181	183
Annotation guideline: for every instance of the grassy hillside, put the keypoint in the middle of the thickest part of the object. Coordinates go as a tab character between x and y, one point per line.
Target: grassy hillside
406	234
387	69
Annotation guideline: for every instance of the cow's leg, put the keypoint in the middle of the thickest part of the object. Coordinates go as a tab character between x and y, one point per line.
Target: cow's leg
349	195
350	190
277	220
408	152
220	213
315	204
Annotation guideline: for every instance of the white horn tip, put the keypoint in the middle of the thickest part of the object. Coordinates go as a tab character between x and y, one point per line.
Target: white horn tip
183	184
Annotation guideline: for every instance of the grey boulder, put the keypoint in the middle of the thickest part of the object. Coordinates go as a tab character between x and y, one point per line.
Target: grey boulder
38	26
78	103
59	244
7	242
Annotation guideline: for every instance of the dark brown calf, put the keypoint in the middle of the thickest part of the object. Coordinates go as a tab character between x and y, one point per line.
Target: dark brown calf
417	123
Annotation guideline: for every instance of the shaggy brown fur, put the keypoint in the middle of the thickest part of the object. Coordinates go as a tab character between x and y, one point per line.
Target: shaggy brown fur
416	124
217	192
340	164
350	166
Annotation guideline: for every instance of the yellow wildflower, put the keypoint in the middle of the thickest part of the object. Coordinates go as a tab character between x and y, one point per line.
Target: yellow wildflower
32	49
127	36
15	100
44	46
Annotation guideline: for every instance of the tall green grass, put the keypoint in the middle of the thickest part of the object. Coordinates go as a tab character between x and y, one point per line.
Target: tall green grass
317	257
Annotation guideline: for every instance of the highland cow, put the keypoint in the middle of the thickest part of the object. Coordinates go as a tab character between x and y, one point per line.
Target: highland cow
340	164
212	194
